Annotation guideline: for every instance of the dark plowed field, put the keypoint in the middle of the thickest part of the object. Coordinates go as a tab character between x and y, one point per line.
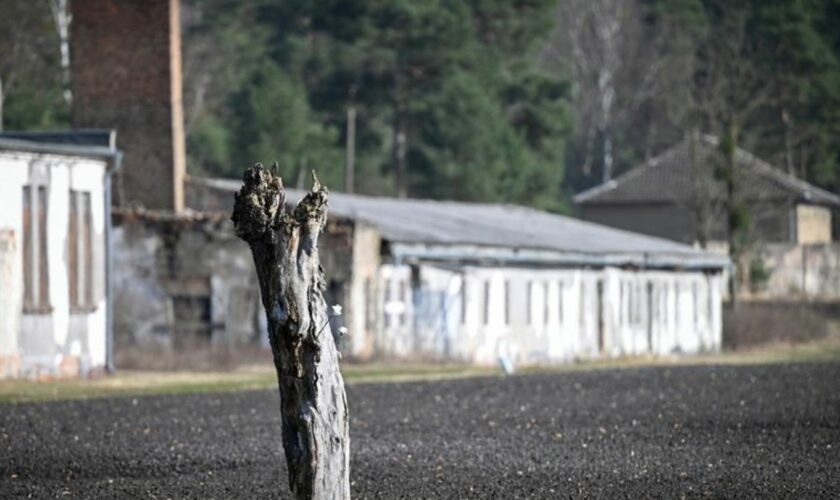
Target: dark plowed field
713	431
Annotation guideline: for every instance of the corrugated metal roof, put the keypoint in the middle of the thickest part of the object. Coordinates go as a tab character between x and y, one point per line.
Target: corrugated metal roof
673	178
489	225
75	137
60	148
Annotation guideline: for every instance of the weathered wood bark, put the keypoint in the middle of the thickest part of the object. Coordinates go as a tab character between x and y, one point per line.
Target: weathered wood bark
284	244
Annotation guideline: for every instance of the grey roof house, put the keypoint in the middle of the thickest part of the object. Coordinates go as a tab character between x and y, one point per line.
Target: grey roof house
675	196
474	282
450	230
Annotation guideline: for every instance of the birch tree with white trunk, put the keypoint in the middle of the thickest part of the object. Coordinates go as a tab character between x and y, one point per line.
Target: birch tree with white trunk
617	65
593	51
62	19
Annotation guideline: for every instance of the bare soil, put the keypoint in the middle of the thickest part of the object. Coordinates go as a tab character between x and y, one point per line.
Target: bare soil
757	431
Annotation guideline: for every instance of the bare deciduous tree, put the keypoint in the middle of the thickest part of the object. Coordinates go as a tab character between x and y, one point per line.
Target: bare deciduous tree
618	65
706	203
62	19
284	244
201	56
729	90
593	50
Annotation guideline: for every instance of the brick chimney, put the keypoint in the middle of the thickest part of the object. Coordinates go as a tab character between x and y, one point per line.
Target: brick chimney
126	74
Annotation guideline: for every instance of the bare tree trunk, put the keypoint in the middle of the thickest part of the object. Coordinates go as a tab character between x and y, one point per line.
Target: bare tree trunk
350	150
284	244
399	156
701	198
606	100
2	97
786	121
589	151
728	144
62	19
399	146
608	154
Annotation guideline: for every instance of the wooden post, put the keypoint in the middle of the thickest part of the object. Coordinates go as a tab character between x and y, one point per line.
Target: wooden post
284	244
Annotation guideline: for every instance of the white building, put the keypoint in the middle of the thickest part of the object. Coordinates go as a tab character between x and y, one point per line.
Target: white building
478	313
476	282
53	252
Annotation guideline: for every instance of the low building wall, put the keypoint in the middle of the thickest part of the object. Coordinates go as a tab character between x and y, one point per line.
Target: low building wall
481	314
187	284
757	322
800	271
183	282
11	294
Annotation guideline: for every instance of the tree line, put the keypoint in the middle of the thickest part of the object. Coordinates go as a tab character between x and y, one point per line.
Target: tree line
521	101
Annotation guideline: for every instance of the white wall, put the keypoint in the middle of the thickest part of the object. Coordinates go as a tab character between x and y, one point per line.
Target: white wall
11	299
13	174
572	313
395	336
46	338
89	328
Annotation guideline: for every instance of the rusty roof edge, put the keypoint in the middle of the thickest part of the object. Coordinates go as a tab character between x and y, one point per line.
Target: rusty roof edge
696	260
187	215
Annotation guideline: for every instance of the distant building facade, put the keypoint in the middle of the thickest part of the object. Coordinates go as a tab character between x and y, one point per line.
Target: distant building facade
54	308
417	279
674	196
472	282
181	281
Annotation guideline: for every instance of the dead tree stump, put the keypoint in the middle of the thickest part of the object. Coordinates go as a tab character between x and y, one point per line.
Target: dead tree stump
284	244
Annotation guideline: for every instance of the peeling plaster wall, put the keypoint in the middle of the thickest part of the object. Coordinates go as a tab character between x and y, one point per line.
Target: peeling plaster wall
140	301
567	314
156	261
153	257
363	316
87	330
55	341
11	294
801	271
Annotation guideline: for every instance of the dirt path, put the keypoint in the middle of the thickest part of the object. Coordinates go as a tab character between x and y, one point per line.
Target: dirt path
721	431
